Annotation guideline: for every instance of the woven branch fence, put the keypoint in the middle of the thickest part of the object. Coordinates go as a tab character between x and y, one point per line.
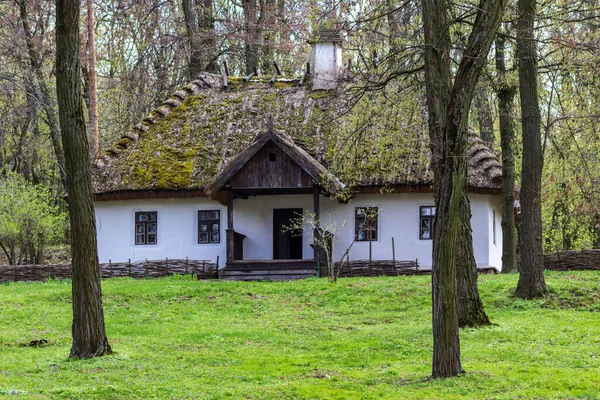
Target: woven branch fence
573	260
357	268
203	269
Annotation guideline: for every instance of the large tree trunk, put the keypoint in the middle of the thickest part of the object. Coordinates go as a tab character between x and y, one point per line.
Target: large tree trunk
209	41
531	281
89	335
92	82
46	100
470	306
251	35
448	118
506	94
189	14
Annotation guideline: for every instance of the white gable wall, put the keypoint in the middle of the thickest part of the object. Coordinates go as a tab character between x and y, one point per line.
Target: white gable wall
178	227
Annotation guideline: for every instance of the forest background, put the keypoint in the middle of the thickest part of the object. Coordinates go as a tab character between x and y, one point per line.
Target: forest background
135	53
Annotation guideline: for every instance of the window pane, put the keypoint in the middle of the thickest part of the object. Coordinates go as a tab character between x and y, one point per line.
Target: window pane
151	238
203	237
425	234
215	227
432	210
203	215
139	239
360	225
425	223
360	212
425	211
152	228
141	228
141	217
152	216
214	237
214	215
361	236
203	227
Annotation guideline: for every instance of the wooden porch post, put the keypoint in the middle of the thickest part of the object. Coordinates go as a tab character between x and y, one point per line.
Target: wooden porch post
230	231
316	233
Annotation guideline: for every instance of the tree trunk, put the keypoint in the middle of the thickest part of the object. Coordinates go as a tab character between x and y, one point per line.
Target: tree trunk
195	65
46	100
484	118
448	107
89	335
250	39
470	307
506	94
92	82
209	42
531	280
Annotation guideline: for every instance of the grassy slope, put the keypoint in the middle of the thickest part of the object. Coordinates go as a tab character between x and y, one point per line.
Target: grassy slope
361	338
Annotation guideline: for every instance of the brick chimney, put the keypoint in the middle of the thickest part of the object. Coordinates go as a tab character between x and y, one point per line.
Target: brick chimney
326	68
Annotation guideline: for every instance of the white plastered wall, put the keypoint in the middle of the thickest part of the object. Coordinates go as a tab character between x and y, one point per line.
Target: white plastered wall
177	230
495	212
178	225
399	218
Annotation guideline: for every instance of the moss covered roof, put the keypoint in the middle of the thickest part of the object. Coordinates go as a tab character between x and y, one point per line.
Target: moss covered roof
185	142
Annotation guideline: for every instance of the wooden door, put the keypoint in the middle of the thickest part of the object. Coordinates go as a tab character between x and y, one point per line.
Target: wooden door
287	243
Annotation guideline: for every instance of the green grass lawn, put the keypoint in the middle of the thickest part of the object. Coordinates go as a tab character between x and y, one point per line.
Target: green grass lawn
360	338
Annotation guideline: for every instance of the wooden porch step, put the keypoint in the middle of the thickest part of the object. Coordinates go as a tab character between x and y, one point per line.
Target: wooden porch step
270	270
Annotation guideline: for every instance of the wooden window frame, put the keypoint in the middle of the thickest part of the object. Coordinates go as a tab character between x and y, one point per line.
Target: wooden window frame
371	227
210	223
430	218
142	228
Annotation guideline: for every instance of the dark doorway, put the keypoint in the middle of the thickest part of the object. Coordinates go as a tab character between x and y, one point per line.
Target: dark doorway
287	244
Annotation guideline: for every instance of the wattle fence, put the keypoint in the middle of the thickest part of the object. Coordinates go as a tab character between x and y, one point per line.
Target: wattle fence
573	260
202	269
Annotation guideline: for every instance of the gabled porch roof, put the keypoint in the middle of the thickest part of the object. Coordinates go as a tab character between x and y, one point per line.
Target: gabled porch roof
321	176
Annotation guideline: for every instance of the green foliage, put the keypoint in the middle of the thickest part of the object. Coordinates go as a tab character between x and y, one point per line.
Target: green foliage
367	338
29	221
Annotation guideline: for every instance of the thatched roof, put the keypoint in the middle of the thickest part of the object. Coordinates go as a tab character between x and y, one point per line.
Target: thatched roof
185	143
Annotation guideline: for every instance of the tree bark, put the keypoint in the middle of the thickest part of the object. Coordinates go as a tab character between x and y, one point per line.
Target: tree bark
209	42
89	335
251	35
531	280
448	107
470	307
92	79
195	63
506	94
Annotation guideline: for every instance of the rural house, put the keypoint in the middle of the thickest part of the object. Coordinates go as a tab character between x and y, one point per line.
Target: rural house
224	168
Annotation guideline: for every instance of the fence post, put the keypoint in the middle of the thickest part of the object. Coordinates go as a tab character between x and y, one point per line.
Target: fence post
146	267
110	273
129	267
186	265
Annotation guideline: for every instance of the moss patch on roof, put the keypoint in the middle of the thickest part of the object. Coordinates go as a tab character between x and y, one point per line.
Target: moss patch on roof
186	141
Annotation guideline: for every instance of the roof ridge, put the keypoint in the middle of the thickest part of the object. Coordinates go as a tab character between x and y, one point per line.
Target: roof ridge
193	88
